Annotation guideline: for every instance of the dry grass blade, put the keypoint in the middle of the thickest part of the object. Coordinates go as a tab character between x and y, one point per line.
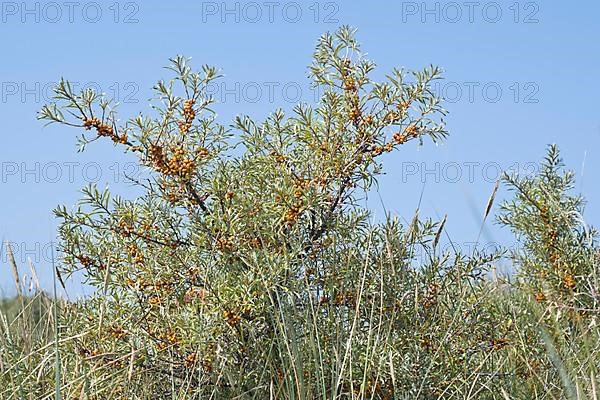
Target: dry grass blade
490	202
504	394
439	232
34	276
15	270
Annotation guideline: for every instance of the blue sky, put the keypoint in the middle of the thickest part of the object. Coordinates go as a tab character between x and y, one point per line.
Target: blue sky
519	75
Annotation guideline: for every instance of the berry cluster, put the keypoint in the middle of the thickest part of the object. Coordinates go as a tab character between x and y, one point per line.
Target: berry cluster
367	120
164	286
346	67
177	165
202	152
190	360
85	260
354	114
540	296
155	300
279	158
133	250
400	138
188	116
175	195
231	318
393	116
116	331
403	106
569	281
103	129
300	185
292	214
126	229
351	88
412	130
225	243
377	150
180	165
167	339
256	243
88	262
551	241
551	235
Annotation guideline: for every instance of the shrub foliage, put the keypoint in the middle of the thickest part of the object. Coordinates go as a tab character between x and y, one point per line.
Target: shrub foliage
247	267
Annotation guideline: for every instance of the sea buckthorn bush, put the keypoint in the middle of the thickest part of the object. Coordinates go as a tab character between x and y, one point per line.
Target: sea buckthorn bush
556	278
248	269
559	254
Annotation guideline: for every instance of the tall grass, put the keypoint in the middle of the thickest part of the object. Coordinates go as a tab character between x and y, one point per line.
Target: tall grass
382	344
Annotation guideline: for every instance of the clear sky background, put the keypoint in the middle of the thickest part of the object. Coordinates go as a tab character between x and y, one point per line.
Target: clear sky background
519	75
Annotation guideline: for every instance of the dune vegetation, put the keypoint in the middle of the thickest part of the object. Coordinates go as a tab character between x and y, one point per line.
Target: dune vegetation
248	268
